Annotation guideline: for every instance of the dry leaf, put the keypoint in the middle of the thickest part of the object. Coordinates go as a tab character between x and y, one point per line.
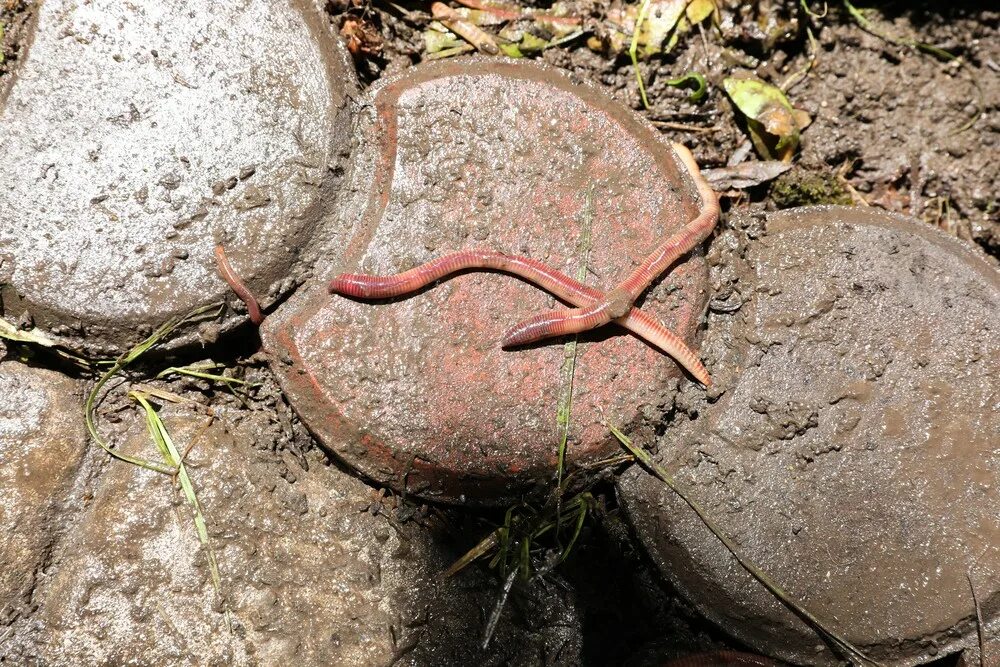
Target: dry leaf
745	175
361	37
664	23
773	124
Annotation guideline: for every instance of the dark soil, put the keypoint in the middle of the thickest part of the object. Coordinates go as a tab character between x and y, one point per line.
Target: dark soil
892	126
15	21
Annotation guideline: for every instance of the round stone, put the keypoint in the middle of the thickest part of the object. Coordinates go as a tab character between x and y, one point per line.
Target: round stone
416	392
316	569
139	136
42	442
851	446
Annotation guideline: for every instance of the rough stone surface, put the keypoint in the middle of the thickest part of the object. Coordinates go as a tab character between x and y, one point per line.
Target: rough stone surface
309	576
417	392
139	135
851	446
41	443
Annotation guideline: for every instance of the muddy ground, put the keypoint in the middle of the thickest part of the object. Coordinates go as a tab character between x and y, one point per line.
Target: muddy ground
892	126
887	118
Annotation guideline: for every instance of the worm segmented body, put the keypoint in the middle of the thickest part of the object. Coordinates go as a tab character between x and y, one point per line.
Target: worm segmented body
593	307
576	320
363	286
238	286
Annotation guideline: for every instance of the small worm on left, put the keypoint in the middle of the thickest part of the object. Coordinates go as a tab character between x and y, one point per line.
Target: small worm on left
238	286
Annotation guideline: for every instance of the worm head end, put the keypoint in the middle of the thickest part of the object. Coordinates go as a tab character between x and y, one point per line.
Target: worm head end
347	285
516	337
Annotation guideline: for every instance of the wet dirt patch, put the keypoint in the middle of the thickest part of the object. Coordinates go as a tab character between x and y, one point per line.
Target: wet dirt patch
892	120
16	24
316	568
41	445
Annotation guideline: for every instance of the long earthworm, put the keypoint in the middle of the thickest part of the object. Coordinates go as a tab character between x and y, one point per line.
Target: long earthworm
363	286
237	285
618	300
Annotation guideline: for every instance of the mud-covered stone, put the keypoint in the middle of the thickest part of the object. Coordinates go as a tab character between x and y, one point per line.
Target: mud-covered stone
850	447
417	392
41	444
137	136
311	574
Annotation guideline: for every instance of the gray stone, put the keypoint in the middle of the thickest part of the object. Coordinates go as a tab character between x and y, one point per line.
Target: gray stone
137	136
310	575
42	441
852	444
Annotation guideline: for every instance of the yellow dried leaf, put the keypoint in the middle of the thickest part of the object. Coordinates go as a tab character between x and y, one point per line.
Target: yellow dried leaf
660	22
699	10
772	122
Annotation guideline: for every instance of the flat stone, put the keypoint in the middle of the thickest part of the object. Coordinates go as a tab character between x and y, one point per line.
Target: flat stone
852	444
309	575
417	392
41	444
137	136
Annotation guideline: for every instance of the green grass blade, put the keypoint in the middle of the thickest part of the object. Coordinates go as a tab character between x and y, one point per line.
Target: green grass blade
869	27
165	444
485	546
565	405
582	512
812	14
658	471
200	371
633	51
700	85
90	406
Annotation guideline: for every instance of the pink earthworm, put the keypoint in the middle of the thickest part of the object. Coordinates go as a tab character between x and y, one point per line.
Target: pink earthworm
363	286
618	300
237	285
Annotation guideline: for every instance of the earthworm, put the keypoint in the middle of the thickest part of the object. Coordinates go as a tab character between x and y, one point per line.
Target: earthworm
690	235
618	300
363	286
238	286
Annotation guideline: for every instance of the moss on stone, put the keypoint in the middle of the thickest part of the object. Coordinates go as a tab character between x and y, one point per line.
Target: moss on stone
806	188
